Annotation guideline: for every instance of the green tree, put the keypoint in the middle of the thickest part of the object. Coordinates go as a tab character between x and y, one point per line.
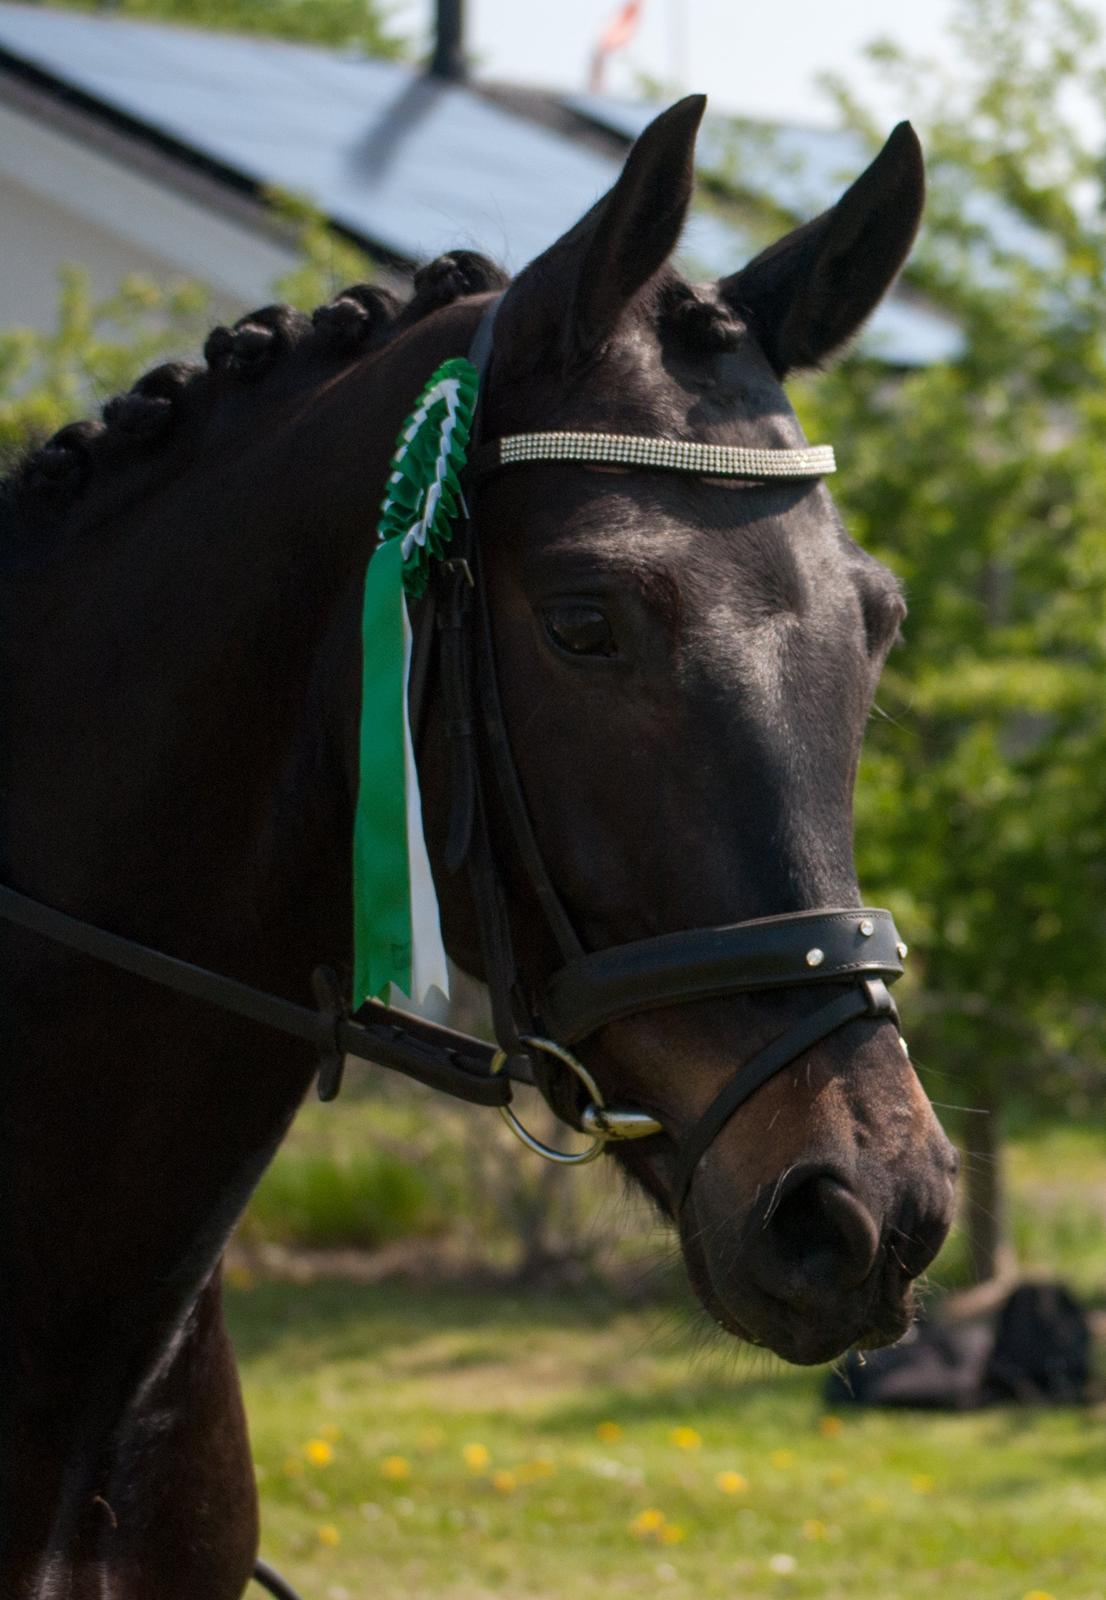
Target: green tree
97	348
365	24
981	805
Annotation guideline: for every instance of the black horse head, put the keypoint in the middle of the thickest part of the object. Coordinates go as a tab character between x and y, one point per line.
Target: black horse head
687	666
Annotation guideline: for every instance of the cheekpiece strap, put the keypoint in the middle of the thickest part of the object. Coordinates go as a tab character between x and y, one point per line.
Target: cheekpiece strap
668	455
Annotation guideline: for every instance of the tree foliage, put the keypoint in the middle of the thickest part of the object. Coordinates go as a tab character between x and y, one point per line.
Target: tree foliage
982	483
364	24
96	349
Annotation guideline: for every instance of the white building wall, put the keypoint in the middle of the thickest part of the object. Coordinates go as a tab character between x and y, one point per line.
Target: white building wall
62	202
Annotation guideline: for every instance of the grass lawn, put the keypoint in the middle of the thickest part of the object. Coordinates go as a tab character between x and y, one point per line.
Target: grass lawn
436	1442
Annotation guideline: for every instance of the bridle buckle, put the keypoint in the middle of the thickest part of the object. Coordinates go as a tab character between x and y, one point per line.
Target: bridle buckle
880	1002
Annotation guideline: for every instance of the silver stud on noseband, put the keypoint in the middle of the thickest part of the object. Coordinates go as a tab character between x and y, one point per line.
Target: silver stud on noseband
867	928
902	950
815	957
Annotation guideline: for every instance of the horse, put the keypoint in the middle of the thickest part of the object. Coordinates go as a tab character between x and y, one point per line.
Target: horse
686	664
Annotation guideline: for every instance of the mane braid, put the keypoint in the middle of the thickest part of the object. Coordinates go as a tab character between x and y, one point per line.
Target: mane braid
360	319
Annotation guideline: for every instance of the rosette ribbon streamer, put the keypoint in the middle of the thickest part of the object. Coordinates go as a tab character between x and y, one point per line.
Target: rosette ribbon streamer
397	927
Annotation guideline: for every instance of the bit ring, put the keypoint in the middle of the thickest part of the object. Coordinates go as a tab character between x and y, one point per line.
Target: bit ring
601	1122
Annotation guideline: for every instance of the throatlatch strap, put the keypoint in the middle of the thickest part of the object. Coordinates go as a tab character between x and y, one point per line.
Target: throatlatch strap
869	999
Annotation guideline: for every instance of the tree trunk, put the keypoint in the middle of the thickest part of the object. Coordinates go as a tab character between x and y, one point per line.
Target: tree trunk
990	1254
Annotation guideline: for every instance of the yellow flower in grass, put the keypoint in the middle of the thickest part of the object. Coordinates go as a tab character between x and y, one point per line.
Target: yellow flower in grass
686	1438
671	1533
814	1529
1039	1594
782	1458
609	1432
836	1476
531	1471
732	1482
648	1524
319	1452
504	1482
829	1427
396	1468
328	1534
476	1457
922	1483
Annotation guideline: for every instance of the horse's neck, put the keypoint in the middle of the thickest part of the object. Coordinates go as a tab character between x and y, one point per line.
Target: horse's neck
169	730
179	687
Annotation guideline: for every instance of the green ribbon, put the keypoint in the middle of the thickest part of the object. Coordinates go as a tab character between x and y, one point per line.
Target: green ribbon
381	895
396	928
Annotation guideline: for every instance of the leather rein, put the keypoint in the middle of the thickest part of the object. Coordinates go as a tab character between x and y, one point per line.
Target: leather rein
855	950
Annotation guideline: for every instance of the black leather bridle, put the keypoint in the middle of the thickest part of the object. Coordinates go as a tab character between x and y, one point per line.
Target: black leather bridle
534	1024
854	950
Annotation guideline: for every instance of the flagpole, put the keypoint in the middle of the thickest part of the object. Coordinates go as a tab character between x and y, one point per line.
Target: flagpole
678	31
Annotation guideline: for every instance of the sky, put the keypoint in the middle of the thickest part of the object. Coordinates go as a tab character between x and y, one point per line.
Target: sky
751	56
759	58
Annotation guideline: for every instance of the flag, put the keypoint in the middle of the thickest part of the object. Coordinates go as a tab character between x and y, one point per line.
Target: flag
618	32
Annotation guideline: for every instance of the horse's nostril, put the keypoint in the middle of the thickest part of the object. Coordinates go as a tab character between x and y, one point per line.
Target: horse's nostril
822	1235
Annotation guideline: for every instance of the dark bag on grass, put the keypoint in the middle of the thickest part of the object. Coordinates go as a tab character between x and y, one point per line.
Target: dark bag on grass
1036	1349
932	1366
1042	1348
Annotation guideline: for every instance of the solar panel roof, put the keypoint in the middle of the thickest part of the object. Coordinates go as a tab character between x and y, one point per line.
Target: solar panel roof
413	165
803	169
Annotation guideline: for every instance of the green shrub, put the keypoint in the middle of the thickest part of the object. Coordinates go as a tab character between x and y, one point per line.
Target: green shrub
364	1200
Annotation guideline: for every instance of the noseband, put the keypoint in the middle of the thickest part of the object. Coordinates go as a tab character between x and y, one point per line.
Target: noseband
855	951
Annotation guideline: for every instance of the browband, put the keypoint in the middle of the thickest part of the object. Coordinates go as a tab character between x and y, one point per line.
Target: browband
670	455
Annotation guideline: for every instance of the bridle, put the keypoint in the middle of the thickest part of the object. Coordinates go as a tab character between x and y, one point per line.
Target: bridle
535	1025
856	950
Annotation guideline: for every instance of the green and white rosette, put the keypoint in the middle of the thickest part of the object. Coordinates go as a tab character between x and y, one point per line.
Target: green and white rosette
397	927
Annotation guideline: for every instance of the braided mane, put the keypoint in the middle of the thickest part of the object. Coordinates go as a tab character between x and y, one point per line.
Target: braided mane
360	319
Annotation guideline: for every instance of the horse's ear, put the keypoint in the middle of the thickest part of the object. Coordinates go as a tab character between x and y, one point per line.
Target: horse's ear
583	283
807	294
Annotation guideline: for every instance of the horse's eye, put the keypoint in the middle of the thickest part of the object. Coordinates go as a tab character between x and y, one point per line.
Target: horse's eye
581	630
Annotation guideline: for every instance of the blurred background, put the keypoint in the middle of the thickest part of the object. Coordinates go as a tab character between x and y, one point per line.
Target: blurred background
468	1373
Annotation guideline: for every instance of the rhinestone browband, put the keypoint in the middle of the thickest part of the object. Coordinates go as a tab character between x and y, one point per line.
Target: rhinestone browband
673	455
